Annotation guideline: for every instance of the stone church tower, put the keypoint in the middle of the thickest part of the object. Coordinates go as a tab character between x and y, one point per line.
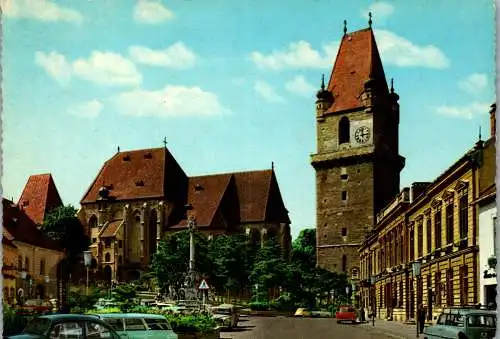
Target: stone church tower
357	162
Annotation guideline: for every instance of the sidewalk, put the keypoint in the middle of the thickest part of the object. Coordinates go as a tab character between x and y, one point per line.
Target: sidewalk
394	329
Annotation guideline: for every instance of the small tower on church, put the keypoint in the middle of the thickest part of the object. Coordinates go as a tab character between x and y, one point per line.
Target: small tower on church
324	100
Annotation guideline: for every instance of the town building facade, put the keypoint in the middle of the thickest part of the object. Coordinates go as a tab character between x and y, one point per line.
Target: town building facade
424	248
30	258
357	162
140	196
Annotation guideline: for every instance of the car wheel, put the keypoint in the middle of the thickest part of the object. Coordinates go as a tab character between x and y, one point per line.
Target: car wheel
338	321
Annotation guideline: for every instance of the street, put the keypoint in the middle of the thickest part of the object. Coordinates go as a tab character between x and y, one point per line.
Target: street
298	328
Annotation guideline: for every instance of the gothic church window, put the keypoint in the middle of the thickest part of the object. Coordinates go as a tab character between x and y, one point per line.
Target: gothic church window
344	195
344	130
93	221
107	258
344	231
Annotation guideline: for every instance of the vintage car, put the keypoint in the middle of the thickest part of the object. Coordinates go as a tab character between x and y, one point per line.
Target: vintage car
139	325
305	312
346	313
463	323
66	326
36	306
226	316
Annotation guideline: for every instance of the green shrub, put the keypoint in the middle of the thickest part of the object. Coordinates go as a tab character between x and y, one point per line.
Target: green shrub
106	310
259	306
13	323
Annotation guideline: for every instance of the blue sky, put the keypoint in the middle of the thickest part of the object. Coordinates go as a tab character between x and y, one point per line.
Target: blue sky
230	84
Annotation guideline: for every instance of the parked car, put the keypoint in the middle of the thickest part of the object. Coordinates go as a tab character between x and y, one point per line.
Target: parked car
346	313
302	312
139	325
36	306
226	315
463	323
66	326
305	312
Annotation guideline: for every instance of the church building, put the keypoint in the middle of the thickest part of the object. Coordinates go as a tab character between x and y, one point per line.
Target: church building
140	196
357	162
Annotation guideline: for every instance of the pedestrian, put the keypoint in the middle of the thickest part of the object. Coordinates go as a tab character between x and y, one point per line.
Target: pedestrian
362	314
421	317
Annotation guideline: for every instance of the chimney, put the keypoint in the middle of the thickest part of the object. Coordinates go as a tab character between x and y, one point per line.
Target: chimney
493	120
417	188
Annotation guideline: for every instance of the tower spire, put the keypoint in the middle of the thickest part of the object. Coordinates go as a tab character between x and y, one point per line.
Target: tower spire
392	85
479	133
323	82
345	27
370	19
165	142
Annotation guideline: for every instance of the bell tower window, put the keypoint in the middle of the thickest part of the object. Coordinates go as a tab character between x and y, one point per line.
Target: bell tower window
344	130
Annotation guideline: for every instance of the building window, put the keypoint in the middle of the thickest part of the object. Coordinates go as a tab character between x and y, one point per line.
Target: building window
344	177
107	243
344	232
344	130
20	263
437	229
107	257
464	217
449	287
412	245
429	235
27	264
344	263
400	294
420	238
120	243
449	223
42	267
437	284
396	251
464	285
401	249
93	221
94	240
344	195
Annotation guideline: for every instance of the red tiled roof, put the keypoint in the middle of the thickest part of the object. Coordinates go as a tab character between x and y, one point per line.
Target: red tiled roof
205	194
357	59
22	228
111	229
7	239
140	174
39	196
253	193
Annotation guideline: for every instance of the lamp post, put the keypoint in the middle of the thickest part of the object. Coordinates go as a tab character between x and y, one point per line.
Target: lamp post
371	296
347	292
87	259
20	292
416	265
46	279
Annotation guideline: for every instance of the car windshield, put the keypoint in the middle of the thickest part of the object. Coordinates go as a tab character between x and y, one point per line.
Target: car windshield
481	320
346	309
222	310
37	326
158	324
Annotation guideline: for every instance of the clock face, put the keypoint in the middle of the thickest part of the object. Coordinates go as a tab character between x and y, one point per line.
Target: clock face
362	134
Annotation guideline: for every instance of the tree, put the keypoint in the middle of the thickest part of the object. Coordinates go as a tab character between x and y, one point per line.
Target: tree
171	261
62	226
231	265
125	296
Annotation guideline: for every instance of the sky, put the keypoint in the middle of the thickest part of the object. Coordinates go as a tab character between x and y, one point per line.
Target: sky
230	84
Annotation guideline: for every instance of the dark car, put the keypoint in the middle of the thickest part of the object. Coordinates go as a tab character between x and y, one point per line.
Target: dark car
73	326
467	323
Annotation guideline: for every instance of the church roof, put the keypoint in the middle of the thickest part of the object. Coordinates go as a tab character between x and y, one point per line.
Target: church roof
39	196
357	59
111	228
251	196
22	228
139	174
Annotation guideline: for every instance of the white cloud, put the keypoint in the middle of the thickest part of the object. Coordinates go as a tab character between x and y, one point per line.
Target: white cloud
465	112
151	12
169	101
107	68
399	51
175	56
90	109
474	84
267	92
55	64
380	11
43	10
300	86
298	54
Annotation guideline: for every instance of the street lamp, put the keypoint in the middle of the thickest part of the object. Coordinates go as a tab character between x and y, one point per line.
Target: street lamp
416	265
46	279
347	292
87	259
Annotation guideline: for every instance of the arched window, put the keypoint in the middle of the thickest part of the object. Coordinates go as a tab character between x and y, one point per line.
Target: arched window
93	221
20	263
27	264
344	263
344	130
107	257
42	267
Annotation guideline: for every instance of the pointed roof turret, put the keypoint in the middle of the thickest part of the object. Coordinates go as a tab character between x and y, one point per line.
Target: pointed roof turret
357	65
